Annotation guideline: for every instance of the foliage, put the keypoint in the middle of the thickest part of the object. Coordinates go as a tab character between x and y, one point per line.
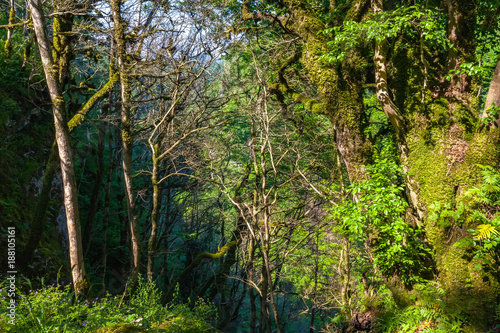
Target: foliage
413	21
374	214
429	313
54	309
482	214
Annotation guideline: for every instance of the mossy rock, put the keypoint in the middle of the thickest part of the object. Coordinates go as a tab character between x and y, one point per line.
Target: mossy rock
186	325
120	328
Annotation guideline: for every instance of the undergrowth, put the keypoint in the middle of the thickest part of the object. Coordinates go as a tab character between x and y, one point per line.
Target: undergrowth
53	308
428	313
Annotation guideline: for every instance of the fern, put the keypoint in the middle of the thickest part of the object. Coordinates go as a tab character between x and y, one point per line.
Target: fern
484	231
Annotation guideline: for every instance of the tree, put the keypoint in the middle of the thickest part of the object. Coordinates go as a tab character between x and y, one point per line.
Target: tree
124	70
268	155
433	119
56	71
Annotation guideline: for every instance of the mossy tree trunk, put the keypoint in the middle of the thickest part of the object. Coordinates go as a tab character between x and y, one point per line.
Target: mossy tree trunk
53	73
444	150
124	70
339	86
444	147
435	124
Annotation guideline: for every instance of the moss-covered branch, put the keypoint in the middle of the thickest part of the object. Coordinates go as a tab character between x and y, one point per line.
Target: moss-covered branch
80	116
50	169
196	262
14	25
282	88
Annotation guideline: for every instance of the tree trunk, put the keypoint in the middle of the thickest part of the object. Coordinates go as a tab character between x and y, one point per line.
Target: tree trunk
107	202
345	276
265	318
127	138
460	29
442	158
155	214
493	96
251	291
64	147
340	87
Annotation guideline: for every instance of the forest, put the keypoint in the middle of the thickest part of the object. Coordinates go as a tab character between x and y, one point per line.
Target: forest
250	166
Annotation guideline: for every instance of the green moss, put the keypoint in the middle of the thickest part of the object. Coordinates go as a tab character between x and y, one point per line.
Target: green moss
186	324
120	328
82	286
442	179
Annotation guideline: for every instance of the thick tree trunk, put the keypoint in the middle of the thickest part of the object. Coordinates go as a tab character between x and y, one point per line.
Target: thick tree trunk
340	87
444	149
64	147
460	29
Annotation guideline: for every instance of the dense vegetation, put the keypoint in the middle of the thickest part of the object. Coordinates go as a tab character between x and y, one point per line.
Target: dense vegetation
250	166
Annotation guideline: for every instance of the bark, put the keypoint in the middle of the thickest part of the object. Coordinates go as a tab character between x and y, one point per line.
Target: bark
267	276
64	146
444	132
107	199
340	87
315	290
395	117
62	53
127	137
493	96
155	214
265	319
251	291
460	29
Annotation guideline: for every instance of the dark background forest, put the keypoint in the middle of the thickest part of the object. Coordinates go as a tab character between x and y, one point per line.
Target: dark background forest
250	166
